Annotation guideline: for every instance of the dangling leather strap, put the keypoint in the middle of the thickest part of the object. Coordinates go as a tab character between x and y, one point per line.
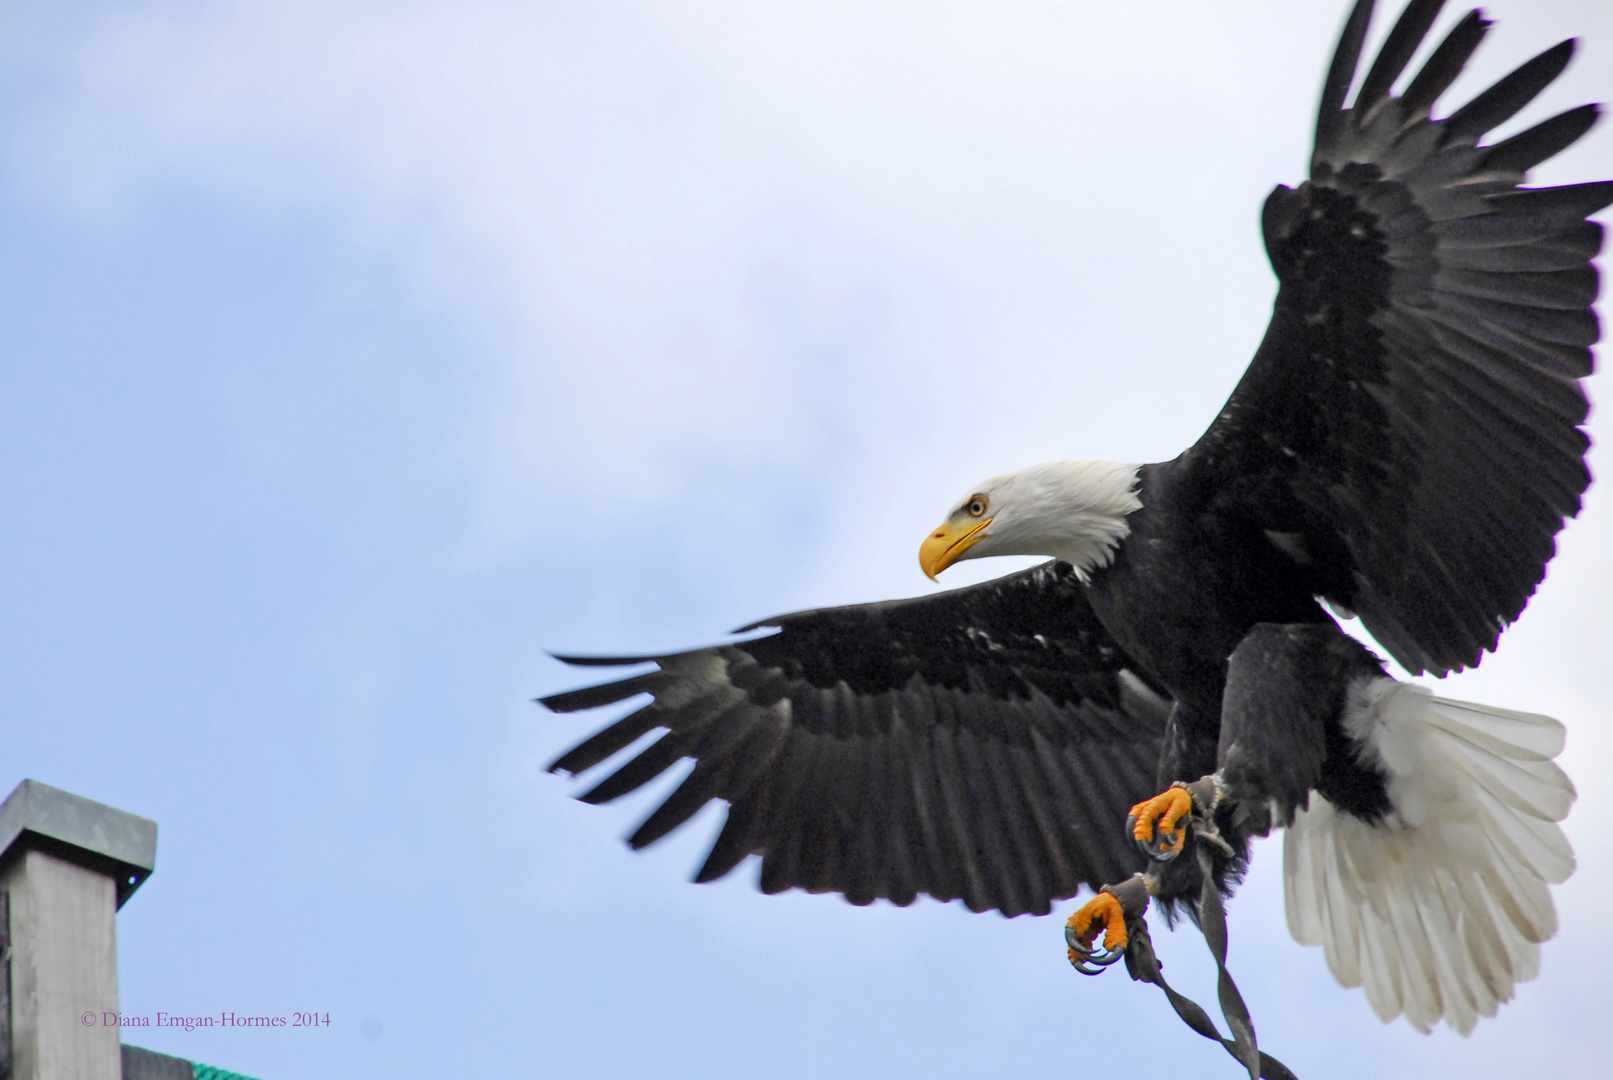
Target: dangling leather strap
1144	966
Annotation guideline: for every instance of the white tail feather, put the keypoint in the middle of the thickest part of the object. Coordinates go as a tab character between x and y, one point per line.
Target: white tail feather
1439	909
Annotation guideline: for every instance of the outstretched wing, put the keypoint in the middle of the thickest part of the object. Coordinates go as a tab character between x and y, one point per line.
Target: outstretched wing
982	744
1409	429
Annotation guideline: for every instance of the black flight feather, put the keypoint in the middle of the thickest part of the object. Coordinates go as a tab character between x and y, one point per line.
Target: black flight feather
1341	72
1443	66
1548	138
1396	53
1502	101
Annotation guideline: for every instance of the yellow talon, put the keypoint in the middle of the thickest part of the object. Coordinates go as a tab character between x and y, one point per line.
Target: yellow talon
1167	808
1102	910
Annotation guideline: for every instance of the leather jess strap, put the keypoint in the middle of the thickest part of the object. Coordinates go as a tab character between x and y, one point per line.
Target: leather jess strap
1144	966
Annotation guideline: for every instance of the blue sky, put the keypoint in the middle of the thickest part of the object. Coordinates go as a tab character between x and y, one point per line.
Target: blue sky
358	353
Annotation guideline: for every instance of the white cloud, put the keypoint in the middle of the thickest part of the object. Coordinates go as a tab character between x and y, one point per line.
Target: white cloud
609	193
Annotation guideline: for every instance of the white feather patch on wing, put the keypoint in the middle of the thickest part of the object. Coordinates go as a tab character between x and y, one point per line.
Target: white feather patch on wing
1438	909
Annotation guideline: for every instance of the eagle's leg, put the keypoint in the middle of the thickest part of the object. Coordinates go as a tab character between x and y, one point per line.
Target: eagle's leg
1159	825
1110	911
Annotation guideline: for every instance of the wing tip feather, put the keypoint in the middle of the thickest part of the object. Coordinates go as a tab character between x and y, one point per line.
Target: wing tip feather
603	661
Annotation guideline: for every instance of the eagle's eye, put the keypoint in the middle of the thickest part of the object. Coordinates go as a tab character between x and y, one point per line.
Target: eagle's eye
977	506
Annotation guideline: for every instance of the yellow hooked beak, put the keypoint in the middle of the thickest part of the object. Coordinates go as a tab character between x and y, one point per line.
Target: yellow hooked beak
947	544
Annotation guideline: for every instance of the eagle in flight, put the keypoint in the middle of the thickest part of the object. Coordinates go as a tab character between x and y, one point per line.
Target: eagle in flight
1403	448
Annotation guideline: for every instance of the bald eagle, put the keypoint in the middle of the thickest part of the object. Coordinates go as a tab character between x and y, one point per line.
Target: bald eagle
1403	448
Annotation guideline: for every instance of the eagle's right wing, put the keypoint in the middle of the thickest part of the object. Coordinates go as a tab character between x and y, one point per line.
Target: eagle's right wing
983	744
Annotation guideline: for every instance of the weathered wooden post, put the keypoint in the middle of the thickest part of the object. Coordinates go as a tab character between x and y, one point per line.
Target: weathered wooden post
66	865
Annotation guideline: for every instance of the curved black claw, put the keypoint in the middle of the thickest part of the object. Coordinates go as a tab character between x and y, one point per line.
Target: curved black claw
1112	913
1102	915
1090	959
1163	846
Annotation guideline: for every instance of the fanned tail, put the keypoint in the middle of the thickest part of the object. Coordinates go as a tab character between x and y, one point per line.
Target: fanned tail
1440	908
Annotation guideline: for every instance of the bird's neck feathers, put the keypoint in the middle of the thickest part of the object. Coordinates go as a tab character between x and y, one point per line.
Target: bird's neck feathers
1070	510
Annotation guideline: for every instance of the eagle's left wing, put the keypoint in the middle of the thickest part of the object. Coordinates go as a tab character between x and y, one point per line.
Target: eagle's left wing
1408	431
982	744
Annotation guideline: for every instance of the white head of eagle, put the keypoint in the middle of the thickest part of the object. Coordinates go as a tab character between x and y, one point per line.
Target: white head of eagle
1070	510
